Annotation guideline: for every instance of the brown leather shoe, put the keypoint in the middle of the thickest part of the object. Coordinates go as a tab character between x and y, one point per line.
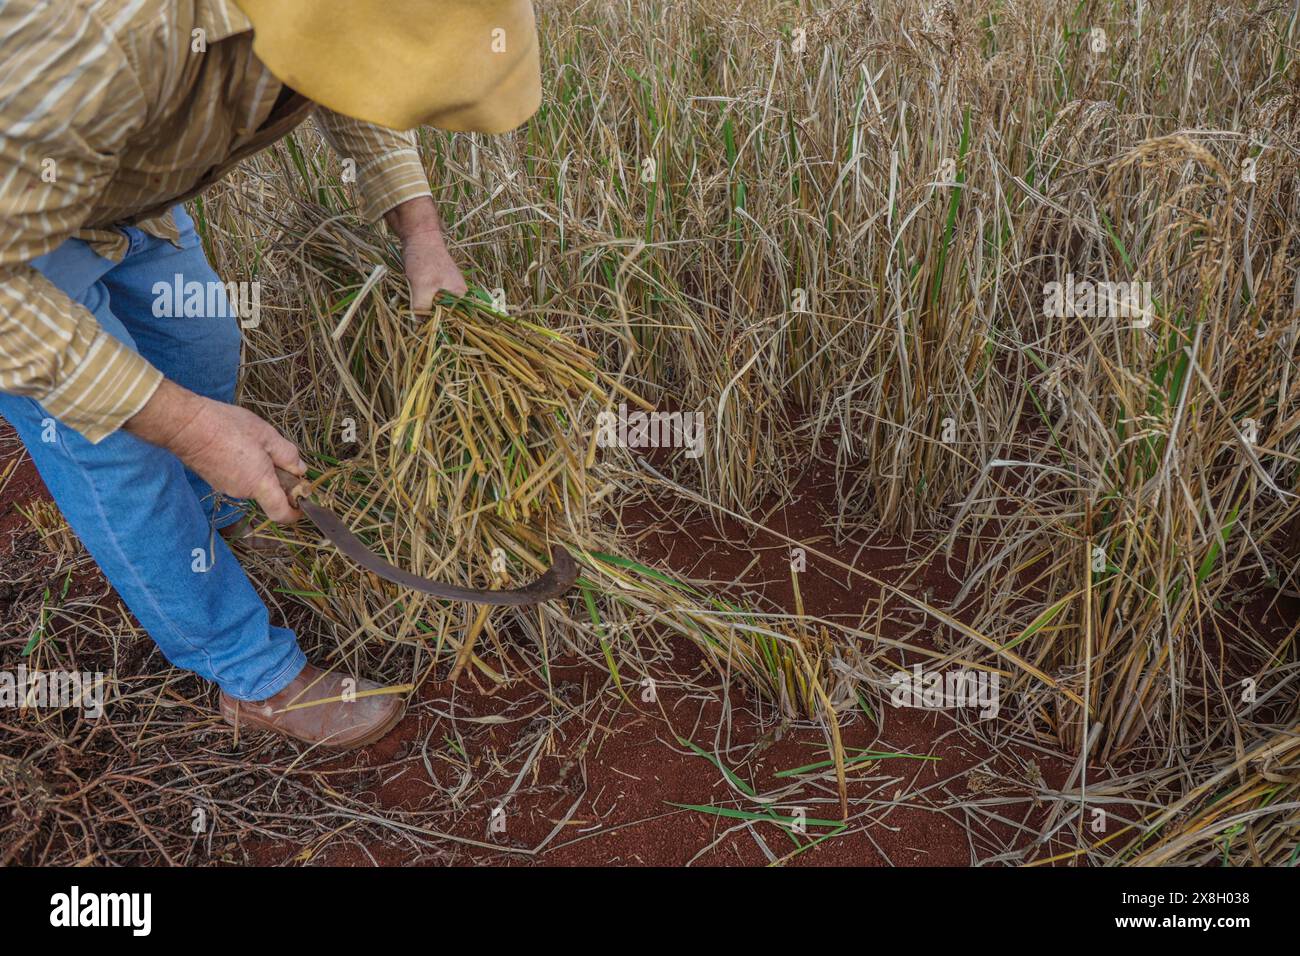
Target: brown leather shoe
313	709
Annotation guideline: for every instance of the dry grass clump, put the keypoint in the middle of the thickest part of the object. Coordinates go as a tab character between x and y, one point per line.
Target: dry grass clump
48	522
1247	814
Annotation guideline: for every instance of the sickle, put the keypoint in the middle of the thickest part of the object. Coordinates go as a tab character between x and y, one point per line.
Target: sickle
554	583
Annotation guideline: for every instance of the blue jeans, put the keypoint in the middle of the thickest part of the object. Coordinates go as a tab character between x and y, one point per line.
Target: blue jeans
147	520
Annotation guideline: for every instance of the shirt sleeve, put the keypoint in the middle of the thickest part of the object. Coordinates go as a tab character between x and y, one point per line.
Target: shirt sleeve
59	140
388	167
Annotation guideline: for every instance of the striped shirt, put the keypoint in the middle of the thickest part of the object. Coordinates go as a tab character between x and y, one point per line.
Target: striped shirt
111	112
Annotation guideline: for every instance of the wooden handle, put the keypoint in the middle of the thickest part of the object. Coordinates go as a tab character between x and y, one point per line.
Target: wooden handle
295	488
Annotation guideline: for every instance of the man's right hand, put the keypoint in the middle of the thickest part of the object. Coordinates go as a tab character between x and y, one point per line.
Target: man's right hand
229	447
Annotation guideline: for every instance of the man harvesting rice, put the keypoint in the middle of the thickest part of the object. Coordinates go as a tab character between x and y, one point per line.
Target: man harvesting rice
113	112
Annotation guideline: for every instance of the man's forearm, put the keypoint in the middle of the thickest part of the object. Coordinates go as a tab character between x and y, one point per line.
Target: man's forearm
429	265
166	417
415	217
229	447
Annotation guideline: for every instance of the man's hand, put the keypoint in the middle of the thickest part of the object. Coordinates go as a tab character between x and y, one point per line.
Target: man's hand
227	446
429	266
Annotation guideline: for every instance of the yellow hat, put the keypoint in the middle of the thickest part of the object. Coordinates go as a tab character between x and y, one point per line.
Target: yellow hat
468	65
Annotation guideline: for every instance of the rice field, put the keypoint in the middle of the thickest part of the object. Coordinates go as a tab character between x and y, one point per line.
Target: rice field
1019	280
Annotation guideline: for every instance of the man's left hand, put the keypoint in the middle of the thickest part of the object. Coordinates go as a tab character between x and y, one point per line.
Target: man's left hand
430	268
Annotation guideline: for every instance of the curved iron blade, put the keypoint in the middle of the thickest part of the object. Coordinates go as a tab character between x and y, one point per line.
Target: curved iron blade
554	583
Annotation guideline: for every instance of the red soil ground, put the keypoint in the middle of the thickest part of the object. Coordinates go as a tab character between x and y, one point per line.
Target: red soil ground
604	790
